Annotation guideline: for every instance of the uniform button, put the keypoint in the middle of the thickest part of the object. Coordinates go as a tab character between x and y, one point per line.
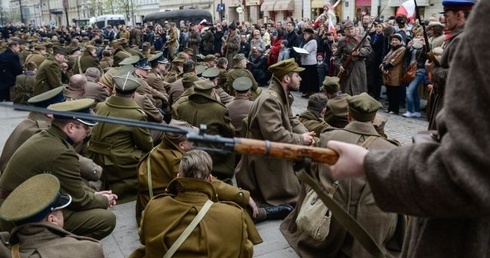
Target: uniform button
240	195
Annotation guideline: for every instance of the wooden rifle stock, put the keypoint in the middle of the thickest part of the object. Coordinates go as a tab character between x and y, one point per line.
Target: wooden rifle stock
285	151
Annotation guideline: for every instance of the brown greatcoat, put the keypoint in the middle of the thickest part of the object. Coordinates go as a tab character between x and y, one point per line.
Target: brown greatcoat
36	57
160	98
445	186
393	76
355	196
96	92
237	72
270	180
225	231
164	162
23	87
118	148
354	81
238	109
83	62
202	108
43	239
314	122
231	47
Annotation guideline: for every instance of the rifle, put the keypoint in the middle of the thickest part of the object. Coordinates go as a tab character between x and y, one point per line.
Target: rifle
239	145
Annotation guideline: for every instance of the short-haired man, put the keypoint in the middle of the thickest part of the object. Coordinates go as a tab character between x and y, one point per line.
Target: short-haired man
166	217
49	74
76	87
95	90
272	182
10	67
312	118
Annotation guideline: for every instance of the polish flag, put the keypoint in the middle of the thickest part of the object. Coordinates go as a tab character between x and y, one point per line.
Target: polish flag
407	8
331	27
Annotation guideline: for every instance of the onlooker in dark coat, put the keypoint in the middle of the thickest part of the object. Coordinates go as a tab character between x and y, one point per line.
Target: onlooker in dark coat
10	67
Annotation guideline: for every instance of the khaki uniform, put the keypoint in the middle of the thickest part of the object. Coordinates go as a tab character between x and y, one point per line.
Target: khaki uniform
313	122
201	108
119	55
118	148
164	162
155	81
270	180
48	76
237	72
160	98
23	87
43	239
166	217
175	91
85	61
36	57
96	91
106	62
49	151
231	48
336	114
238	109
387	229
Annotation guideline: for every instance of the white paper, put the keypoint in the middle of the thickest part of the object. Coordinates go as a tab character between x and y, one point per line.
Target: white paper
300	50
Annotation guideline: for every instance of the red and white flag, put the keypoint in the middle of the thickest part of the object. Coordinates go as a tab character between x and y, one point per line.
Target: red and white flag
407	8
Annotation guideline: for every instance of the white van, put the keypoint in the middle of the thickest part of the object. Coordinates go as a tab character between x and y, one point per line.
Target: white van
110	19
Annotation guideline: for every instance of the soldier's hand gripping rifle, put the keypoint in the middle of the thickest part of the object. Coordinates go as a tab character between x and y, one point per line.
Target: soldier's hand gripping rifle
239	145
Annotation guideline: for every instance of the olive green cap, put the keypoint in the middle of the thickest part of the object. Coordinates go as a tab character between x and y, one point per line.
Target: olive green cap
59	50
34	199
188	80
211	73
200	69
130	60
47	98
155	57
203	85
284	67
179	137
363	107
242	84
79	105
125	83
179	59
189	51
125	69
239	57
338	106
331	84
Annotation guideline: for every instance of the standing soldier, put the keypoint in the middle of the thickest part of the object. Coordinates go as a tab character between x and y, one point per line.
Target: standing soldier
354	79
231	45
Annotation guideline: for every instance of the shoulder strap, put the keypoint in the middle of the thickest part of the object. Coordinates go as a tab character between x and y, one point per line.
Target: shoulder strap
188	230
15	251
79	67
148	173
344	218
368	141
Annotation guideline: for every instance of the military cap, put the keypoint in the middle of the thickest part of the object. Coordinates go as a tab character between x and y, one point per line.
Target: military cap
47	98
202	85
179	137
242	84
188	80
126	83
458	5
34	199
143	64
349	24
232	26
284	67
200	57
211	73
189	51
338	106
39	46
131	60
163	60
146	46
331	84
80	106
49	44
73	50
155	57
200	69
59	50
363	107
210	58
239	57
123	70
123	42
435	24
13	42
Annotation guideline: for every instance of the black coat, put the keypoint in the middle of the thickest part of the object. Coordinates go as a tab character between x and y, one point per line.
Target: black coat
10	67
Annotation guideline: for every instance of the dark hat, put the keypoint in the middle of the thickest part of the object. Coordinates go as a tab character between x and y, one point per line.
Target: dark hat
178	137
34	199
188	80
458	5
47	98
284	67
211	73
80	106
308	30
239	57
232	26
331	84
59	50
200	69
203	85
143	64
189	51
242	84
435	24
285	42
156	57
210	58
131	60
398	36
363	107
163	60
13	42
125	83
349	24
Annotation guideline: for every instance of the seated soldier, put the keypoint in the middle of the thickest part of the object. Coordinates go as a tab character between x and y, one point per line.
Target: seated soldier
218	222
35	207
312	118
336	113
386	229
159	167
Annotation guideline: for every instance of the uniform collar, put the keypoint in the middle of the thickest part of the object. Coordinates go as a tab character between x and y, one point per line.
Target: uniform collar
185	185
364	128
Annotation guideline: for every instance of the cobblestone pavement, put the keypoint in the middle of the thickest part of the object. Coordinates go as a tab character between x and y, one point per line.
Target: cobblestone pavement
124	238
